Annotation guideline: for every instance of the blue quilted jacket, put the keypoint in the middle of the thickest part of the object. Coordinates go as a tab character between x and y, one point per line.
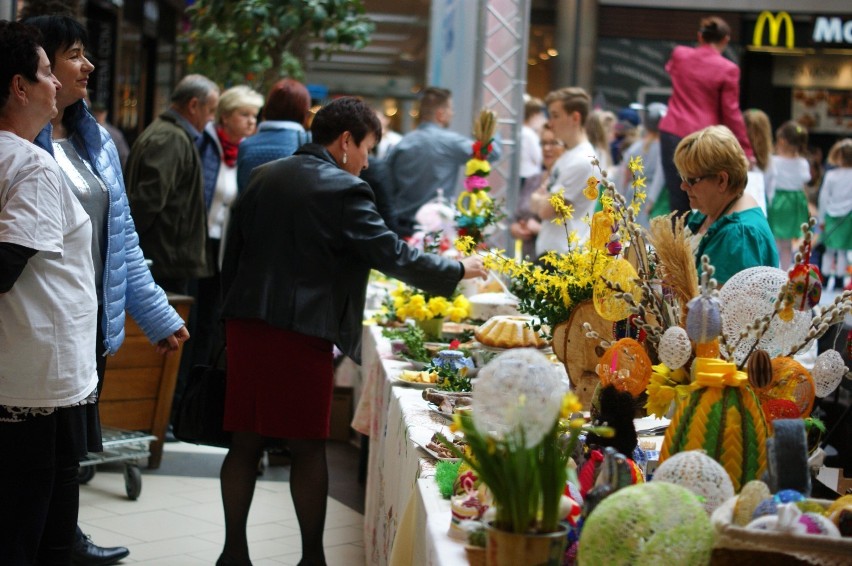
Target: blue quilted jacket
127	280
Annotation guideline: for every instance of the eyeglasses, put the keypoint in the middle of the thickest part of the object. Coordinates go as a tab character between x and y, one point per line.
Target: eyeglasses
692	181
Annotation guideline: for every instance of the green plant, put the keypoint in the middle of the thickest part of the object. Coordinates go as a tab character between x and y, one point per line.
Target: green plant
450	379
518	443
263	40
413	339
527	481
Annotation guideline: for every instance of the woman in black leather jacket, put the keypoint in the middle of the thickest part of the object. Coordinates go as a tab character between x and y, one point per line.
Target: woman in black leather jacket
302	240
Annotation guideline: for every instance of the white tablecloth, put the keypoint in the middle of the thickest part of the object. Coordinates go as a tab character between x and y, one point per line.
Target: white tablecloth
399	473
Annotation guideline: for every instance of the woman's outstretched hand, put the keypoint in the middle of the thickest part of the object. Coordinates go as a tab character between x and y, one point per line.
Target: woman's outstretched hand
473	268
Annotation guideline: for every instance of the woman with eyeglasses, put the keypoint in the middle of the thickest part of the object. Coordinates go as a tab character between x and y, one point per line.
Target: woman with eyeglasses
728	225
526	224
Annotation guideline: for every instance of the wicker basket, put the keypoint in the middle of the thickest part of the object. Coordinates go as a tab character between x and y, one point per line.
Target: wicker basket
766	545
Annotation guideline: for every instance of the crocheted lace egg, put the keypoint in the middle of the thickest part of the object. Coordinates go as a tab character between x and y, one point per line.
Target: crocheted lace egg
674	348
829	369
700	474
752	294
649	523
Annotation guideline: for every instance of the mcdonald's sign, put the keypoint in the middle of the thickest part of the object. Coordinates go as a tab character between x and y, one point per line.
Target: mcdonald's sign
774	21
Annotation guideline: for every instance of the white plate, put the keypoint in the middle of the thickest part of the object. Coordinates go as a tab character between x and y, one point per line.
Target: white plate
421	440
434	408
435	454
396	380
546	350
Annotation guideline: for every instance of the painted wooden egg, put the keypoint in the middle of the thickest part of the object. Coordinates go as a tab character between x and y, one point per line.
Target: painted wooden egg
760	370
704	320
674	348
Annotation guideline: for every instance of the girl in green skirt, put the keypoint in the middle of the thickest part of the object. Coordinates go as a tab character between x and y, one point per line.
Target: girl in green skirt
788	205
835	209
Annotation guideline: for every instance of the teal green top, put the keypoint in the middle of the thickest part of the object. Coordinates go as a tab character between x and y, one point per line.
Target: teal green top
735	242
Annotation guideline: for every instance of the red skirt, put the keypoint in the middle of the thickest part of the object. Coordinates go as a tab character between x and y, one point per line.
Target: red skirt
280	382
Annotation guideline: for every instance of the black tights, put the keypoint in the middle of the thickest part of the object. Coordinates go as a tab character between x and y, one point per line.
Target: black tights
308	487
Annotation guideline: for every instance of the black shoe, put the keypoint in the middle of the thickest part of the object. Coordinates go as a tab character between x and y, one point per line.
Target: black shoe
87	553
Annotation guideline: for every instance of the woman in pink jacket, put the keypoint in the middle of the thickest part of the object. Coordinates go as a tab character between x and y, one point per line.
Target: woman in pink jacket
705	92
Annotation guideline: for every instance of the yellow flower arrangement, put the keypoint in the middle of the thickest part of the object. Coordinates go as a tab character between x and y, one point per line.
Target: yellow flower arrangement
407	303
550	289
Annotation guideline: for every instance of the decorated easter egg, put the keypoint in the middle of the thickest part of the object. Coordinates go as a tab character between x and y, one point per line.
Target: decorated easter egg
829	369
759	370
817	524
788	496
649	523
674	348
700	474
626	366
791	381
619	272
704	320
805	287
749	498
764	508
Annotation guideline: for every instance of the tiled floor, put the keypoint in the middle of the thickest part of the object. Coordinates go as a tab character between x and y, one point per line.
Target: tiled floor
178	520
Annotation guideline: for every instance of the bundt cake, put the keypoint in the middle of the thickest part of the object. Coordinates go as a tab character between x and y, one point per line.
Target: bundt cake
509	332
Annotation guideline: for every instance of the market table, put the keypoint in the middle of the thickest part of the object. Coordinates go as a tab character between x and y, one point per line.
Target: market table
393	417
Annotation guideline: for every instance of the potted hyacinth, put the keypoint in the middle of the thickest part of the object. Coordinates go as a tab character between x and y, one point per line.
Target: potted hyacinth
520	440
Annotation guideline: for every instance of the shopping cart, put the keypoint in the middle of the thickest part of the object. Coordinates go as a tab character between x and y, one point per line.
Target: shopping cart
119	446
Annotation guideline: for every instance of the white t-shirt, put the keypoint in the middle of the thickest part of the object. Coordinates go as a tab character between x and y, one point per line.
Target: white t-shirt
571	172
835	196
530	153
790	174
756	188
48	319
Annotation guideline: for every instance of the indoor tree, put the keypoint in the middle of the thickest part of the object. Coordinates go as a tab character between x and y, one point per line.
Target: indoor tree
256	42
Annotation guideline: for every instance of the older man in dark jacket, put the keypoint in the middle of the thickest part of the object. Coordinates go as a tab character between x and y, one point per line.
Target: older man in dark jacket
164	186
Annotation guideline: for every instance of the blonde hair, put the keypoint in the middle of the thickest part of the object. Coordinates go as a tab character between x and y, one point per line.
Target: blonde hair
840	154
238	97
711	151
759	132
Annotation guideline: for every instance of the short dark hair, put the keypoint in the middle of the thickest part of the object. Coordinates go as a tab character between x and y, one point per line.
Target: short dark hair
19	44
714	29
59	33
432	99
345	114
288	99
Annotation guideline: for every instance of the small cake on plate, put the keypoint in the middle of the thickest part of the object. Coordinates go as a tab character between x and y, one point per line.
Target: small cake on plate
509	332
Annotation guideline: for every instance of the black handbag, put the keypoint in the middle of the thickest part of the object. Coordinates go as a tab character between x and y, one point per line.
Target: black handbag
201	410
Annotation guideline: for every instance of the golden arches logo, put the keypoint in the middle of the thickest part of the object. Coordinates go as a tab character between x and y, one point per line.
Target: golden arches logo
774	21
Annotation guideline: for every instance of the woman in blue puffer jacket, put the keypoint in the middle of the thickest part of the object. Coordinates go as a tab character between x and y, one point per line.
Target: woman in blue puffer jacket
89	161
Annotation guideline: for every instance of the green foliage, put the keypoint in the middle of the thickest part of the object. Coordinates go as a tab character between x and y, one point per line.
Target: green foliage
256	42
413	339
450	379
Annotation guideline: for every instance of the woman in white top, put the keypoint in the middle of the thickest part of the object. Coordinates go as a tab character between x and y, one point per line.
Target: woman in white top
835	209
48	310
